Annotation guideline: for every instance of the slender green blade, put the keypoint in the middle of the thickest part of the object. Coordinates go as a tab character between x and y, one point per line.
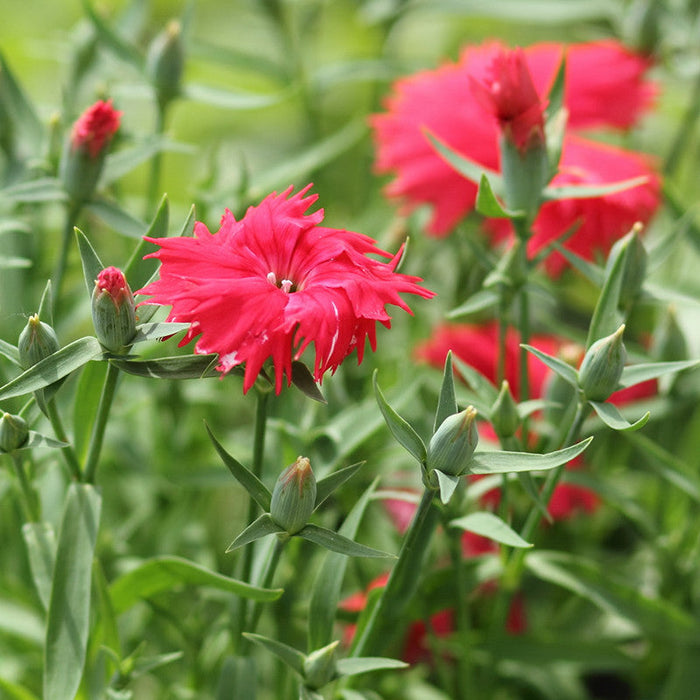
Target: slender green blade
262	527
330	483
289	655
336	542
612	417
490	525
92	265
447	402
40	541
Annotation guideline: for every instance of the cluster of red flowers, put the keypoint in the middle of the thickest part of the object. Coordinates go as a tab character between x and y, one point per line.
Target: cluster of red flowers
605	87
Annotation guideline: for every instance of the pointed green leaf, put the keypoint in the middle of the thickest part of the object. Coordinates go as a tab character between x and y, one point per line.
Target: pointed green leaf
611	416
447	403
176	367
10	352
228	99
325	593
447	483
289	655
528	483
14	263
45	310
18	105
555	96
54	367
330	483
481	300
119	164
365	664
154	331
593	273
165	573
464	166
503	462
255	488
400	429
565	371
46	189
262	527
484	389
68	620
40	541
138	271
304	381
188	226
113	41
87	399
527	408
591	191
92	265
636	374
335	542
117	218
38	440
488	205
491	526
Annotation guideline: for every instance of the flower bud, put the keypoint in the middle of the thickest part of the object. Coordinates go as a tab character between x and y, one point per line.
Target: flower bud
504	413
37	341
669	342
602	366
165	62
85	151
113	310
319	666
294	496
451	448
14	432
634	265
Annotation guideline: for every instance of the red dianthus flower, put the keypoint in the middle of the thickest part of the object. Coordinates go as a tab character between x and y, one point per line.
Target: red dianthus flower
441	102
95	127
269	285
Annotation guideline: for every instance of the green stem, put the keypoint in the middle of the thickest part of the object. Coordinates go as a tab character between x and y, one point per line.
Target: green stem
502	337
66	240
68	452
29	505
386	616
98	430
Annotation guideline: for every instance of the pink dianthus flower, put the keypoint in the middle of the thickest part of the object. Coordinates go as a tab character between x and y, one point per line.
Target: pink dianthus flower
95	127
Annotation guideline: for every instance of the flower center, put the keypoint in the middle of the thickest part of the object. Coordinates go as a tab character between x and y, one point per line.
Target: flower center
285	285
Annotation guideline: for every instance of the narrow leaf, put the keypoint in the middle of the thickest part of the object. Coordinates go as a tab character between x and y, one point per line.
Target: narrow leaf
335	542
484	389
326	486
10	352
68	620
291	656
636	374
365	664
612	417
176	367
165	573
503	462
304	381
400	429
228	99
591	191
117	218
41	548
138	271
488	205
14	263
92	265
491	526
464	166
565	371
123	162
447	403
45	310
448	483
529	485
38	440
481	300
155	331
262	527
593	273
325	592
119	46
255	488
47	189
54	367
188	226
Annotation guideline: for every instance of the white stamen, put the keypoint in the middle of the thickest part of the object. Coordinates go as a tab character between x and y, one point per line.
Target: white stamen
272	278
286	286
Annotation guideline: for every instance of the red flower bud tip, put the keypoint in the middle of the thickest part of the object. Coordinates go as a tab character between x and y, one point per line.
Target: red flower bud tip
113	310
509	94
95	127
112	281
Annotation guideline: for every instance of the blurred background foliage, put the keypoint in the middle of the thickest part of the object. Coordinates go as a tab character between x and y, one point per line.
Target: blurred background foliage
277	92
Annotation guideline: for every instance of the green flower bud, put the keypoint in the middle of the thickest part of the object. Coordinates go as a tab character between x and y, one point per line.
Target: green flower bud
113	311
37	341
165	62
451	448
14	432
669	342
602	366
525	175
635	265
504	413
319	666
294	496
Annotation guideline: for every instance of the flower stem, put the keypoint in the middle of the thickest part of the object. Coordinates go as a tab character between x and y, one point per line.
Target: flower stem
98	430
60	270
29	505
68	452
386	616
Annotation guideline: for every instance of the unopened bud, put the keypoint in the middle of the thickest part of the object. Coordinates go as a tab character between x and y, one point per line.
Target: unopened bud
451	448
319	666
602	366
634	265
113	310
14	432
37	341
504	413
294	496
669	342
86	149
165	62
